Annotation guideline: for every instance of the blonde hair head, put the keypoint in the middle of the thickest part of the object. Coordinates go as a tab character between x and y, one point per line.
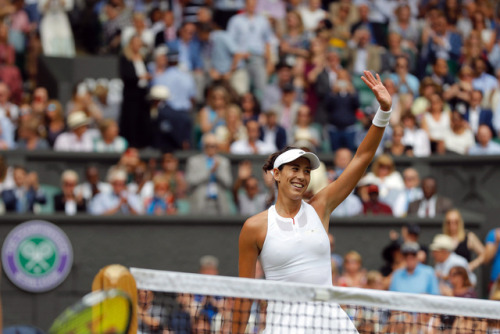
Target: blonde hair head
461	228
383	159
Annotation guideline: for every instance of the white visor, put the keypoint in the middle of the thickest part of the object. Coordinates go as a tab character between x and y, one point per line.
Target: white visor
294	154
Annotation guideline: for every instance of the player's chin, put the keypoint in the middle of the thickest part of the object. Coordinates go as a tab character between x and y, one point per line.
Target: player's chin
297	192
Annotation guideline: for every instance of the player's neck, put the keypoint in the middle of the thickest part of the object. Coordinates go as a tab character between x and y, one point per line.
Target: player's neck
287	208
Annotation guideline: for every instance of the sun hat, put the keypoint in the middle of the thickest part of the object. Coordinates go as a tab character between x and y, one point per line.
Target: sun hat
442	242
367	180
77	119
294	154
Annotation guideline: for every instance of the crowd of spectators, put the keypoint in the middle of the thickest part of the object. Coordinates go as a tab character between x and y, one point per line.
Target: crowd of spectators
250	77
291	66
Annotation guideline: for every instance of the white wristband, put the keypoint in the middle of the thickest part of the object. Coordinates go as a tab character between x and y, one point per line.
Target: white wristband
381	118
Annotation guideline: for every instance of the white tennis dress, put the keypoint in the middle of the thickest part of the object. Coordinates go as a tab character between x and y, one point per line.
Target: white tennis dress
298	250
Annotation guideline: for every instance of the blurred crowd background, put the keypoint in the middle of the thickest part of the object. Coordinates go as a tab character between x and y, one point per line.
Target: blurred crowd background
249	77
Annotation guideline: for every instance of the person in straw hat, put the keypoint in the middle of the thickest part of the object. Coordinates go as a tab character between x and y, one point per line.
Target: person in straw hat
79	138
442	247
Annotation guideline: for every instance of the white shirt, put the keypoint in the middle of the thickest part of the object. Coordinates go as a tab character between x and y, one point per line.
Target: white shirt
86	189
269	135
382	10
459	143
13	111
147	190
453	260
68	141
360	61
437	129
242	147
427	207
140	70
474	119
418	140
311	19
147	38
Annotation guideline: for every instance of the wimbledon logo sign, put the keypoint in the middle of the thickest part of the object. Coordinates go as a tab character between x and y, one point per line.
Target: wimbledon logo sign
37	256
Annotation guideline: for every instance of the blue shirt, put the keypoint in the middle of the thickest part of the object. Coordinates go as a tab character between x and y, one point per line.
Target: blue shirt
422	280
222	50
229	4
490	149
181	85
7	132
250	33
495	268
103	202
485	83
412	83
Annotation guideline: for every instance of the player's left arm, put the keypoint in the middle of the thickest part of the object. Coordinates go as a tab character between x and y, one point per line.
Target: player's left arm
331	196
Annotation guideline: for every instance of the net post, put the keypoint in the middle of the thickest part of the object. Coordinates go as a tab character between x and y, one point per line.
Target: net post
117	276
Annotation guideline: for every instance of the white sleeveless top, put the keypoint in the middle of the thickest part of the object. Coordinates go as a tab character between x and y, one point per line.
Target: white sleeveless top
438	129
297	249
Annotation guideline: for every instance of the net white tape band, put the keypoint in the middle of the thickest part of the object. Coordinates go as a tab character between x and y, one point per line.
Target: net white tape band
177	282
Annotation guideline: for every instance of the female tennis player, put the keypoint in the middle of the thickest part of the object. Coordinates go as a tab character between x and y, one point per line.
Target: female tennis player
290	238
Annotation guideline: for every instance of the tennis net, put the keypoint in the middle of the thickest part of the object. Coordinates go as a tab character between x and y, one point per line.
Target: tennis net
174	302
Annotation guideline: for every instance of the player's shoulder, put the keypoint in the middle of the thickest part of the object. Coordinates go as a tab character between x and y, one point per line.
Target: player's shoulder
256	222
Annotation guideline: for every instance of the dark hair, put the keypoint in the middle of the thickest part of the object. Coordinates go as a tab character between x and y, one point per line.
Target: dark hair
251	177
479	91
269	164
20	167
257	106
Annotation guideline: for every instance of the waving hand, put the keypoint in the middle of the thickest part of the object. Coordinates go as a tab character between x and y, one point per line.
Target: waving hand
381	94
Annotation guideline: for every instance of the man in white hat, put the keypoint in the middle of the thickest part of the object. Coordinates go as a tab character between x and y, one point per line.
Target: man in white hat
162	119
79	138
119	200
442	248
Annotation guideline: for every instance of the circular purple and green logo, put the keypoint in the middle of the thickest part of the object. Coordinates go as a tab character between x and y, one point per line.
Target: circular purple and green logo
37	256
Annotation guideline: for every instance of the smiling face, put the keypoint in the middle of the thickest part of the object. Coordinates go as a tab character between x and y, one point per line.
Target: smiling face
294	178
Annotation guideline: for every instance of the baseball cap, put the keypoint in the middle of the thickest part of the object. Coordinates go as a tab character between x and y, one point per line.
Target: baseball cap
372	188
410	248
294	154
